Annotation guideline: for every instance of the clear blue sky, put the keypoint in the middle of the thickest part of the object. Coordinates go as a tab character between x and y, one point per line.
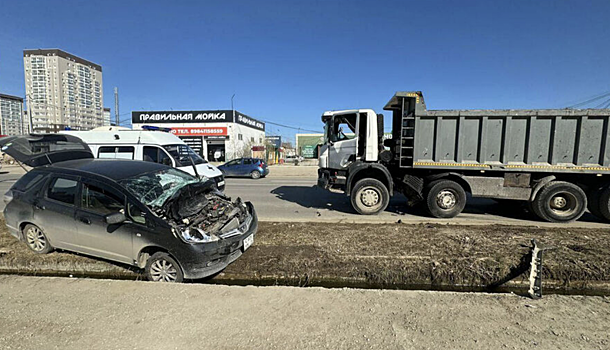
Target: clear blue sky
288	61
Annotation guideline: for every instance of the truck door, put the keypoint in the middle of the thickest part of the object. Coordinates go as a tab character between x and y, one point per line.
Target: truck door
343	141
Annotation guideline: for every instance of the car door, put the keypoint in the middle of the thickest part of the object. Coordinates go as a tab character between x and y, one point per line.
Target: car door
54	210
247	167
230	168
94	235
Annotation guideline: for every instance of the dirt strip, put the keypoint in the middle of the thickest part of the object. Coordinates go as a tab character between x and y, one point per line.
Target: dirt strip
423	256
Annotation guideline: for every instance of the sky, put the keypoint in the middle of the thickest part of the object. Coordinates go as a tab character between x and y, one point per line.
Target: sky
289	61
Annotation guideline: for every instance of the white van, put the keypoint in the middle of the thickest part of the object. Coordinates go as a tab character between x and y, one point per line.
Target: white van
151	146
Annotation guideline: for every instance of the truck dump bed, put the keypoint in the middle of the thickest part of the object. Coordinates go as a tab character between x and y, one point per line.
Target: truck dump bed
541	140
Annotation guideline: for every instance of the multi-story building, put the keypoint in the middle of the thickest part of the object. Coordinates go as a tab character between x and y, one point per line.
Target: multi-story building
11	113
62	90
106	117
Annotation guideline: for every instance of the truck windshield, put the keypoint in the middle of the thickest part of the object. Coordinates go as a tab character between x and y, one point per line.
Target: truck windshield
183	154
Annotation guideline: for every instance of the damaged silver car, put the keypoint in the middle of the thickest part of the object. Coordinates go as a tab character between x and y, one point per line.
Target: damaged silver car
153	216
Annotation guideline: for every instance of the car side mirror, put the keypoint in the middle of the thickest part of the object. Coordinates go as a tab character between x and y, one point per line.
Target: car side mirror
115	218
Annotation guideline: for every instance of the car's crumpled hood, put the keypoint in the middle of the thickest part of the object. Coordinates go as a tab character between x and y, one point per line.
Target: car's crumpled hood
200	205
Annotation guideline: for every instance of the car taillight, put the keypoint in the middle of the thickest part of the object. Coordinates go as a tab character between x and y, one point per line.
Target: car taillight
8	196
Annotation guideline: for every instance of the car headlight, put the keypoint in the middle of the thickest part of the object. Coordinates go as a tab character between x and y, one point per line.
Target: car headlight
196	235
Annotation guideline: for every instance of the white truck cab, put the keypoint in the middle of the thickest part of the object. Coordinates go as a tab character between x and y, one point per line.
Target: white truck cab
151	146
349	136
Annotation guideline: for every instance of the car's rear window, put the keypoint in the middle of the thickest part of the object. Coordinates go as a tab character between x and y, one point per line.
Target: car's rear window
28	180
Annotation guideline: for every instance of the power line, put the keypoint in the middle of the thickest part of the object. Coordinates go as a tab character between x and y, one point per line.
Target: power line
290	127
607	101
606	94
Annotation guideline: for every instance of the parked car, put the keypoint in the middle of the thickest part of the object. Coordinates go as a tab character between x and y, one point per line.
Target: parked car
150	146
252	167
153	216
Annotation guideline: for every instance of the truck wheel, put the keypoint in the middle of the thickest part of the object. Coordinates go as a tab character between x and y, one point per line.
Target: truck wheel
603	203
560	201
370	196
445	198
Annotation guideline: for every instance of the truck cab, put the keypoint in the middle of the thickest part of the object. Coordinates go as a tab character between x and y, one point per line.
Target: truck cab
349	136
350	153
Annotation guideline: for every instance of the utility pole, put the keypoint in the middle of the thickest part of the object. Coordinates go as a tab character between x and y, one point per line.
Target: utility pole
116	105
233	109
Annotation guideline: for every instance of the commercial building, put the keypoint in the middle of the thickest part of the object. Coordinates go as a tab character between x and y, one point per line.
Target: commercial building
11	115
307	145
62	90
217	135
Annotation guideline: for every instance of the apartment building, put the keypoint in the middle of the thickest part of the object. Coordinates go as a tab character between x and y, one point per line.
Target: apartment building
106	117
62	90
11	112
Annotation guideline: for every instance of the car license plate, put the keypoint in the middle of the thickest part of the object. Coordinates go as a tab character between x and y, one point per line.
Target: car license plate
248	242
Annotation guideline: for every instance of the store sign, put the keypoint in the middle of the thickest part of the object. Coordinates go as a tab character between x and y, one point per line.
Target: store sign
195	142
188	131
308	151
276	141
245	120
222	116
213	138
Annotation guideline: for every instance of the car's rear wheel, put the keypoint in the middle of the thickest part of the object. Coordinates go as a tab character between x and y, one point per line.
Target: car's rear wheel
255	174
36	239
161	267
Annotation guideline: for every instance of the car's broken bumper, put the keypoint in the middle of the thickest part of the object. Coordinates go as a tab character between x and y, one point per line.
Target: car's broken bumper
203	260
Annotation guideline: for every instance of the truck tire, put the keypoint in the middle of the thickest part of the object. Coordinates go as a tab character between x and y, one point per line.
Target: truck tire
445	198
560	201
370	197
603	203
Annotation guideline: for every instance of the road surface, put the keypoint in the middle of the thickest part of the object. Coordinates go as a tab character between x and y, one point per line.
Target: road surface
296	198
293	198
103	314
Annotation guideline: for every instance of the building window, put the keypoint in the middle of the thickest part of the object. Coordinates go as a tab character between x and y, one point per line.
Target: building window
240	137
252	139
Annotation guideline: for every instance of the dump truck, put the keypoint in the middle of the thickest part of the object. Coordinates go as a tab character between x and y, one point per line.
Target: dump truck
557	161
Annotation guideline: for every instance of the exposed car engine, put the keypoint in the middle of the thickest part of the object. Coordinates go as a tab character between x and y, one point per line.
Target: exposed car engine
199	209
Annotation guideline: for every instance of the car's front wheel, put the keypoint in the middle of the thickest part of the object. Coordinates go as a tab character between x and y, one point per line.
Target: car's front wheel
36	239
161	267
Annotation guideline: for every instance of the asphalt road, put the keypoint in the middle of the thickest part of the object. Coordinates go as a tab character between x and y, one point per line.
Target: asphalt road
296	198
292	198
64	313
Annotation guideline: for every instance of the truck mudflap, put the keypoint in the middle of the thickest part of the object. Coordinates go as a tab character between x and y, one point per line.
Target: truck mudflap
412	187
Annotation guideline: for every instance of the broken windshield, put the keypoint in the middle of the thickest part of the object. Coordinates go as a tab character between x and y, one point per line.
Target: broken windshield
154	188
